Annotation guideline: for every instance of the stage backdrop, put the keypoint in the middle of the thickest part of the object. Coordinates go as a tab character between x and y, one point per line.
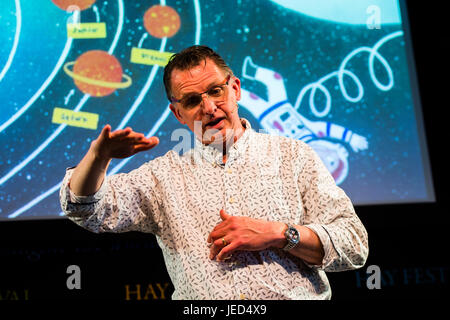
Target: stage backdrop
338	75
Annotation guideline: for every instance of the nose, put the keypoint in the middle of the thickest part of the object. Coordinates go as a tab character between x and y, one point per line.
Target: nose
208	106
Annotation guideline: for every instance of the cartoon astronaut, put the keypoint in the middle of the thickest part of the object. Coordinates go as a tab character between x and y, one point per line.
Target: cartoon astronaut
277	116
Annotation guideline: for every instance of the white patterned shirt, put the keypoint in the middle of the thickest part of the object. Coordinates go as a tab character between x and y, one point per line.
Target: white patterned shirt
178	198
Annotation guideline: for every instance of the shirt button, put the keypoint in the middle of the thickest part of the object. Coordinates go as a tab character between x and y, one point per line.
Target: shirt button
229	170
242	296
231	200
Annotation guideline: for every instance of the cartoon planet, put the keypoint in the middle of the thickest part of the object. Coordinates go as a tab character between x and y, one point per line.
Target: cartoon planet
97	73
73	4
162	21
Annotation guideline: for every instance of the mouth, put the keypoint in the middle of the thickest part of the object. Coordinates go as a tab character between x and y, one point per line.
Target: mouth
215	123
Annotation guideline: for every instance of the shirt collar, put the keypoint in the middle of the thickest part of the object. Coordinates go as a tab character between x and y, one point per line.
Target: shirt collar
213	155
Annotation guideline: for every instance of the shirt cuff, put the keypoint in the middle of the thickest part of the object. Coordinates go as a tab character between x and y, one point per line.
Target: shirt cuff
73	198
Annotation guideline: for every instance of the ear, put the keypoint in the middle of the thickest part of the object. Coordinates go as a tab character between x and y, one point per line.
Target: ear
237	88
177	113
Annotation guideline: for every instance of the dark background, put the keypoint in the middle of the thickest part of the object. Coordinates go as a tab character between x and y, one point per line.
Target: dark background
407	241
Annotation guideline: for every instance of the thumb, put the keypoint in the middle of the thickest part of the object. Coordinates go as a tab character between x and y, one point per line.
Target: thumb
105	132
224	215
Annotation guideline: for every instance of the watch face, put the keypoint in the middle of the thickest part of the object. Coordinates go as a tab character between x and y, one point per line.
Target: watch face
293	235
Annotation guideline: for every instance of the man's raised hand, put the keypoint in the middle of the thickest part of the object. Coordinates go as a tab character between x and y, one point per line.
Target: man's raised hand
121	143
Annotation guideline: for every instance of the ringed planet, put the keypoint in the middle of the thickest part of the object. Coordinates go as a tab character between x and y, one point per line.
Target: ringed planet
97	73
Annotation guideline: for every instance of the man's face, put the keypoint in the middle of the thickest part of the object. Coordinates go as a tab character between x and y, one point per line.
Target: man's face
215	116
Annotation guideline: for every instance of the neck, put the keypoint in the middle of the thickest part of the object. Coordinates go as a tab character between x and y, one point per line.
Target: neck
237	133
231	137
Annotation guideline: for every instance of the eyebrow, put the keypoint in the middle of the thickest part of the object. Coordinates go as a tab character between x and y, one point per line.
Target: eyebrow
190	93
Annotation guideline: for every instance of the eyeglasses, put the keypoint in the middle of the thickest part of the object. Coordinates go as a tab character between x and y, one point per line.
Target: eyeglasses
215	93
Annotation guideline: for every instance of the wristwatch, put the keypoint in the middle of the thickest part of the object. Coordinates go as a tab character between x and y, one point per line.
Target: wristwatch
292	236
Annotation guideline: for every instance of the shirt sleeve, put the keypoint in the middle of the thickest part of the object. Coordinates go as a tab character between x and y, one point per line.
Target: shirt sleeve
124	202
331	215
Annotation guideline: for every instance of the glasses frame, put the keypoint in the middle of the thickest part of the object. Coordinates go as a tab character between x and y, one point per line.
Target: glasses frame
222	84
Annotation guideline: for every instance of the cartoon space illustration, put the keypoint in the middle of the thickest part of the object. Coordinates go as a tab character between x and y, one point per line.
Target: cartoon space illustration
68	67
278	116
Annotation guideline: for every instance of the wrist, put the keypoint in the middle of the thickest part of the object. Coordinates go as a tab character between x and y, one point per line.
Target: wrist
96	157
279	240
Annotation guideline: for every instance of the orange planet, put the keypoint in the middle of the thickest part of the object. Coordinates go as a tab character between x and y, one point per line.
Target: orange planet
97	73
162	21
75	4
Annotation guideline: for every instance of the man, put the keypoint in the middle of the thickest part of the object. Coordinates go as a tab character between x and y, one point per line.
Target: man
242	215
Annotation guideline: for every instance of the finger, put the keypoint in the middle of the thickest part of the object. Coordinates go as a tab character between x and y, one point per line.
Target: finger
136	138
144	147
220	226
213	251
217	246
106	129
213	236
136	135
105	132
121	133
227	251
223	215
153	141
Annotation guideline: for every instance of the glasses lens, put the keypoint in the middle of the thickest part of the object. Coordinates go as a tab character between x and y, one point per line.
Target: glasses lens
192	101
216	92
